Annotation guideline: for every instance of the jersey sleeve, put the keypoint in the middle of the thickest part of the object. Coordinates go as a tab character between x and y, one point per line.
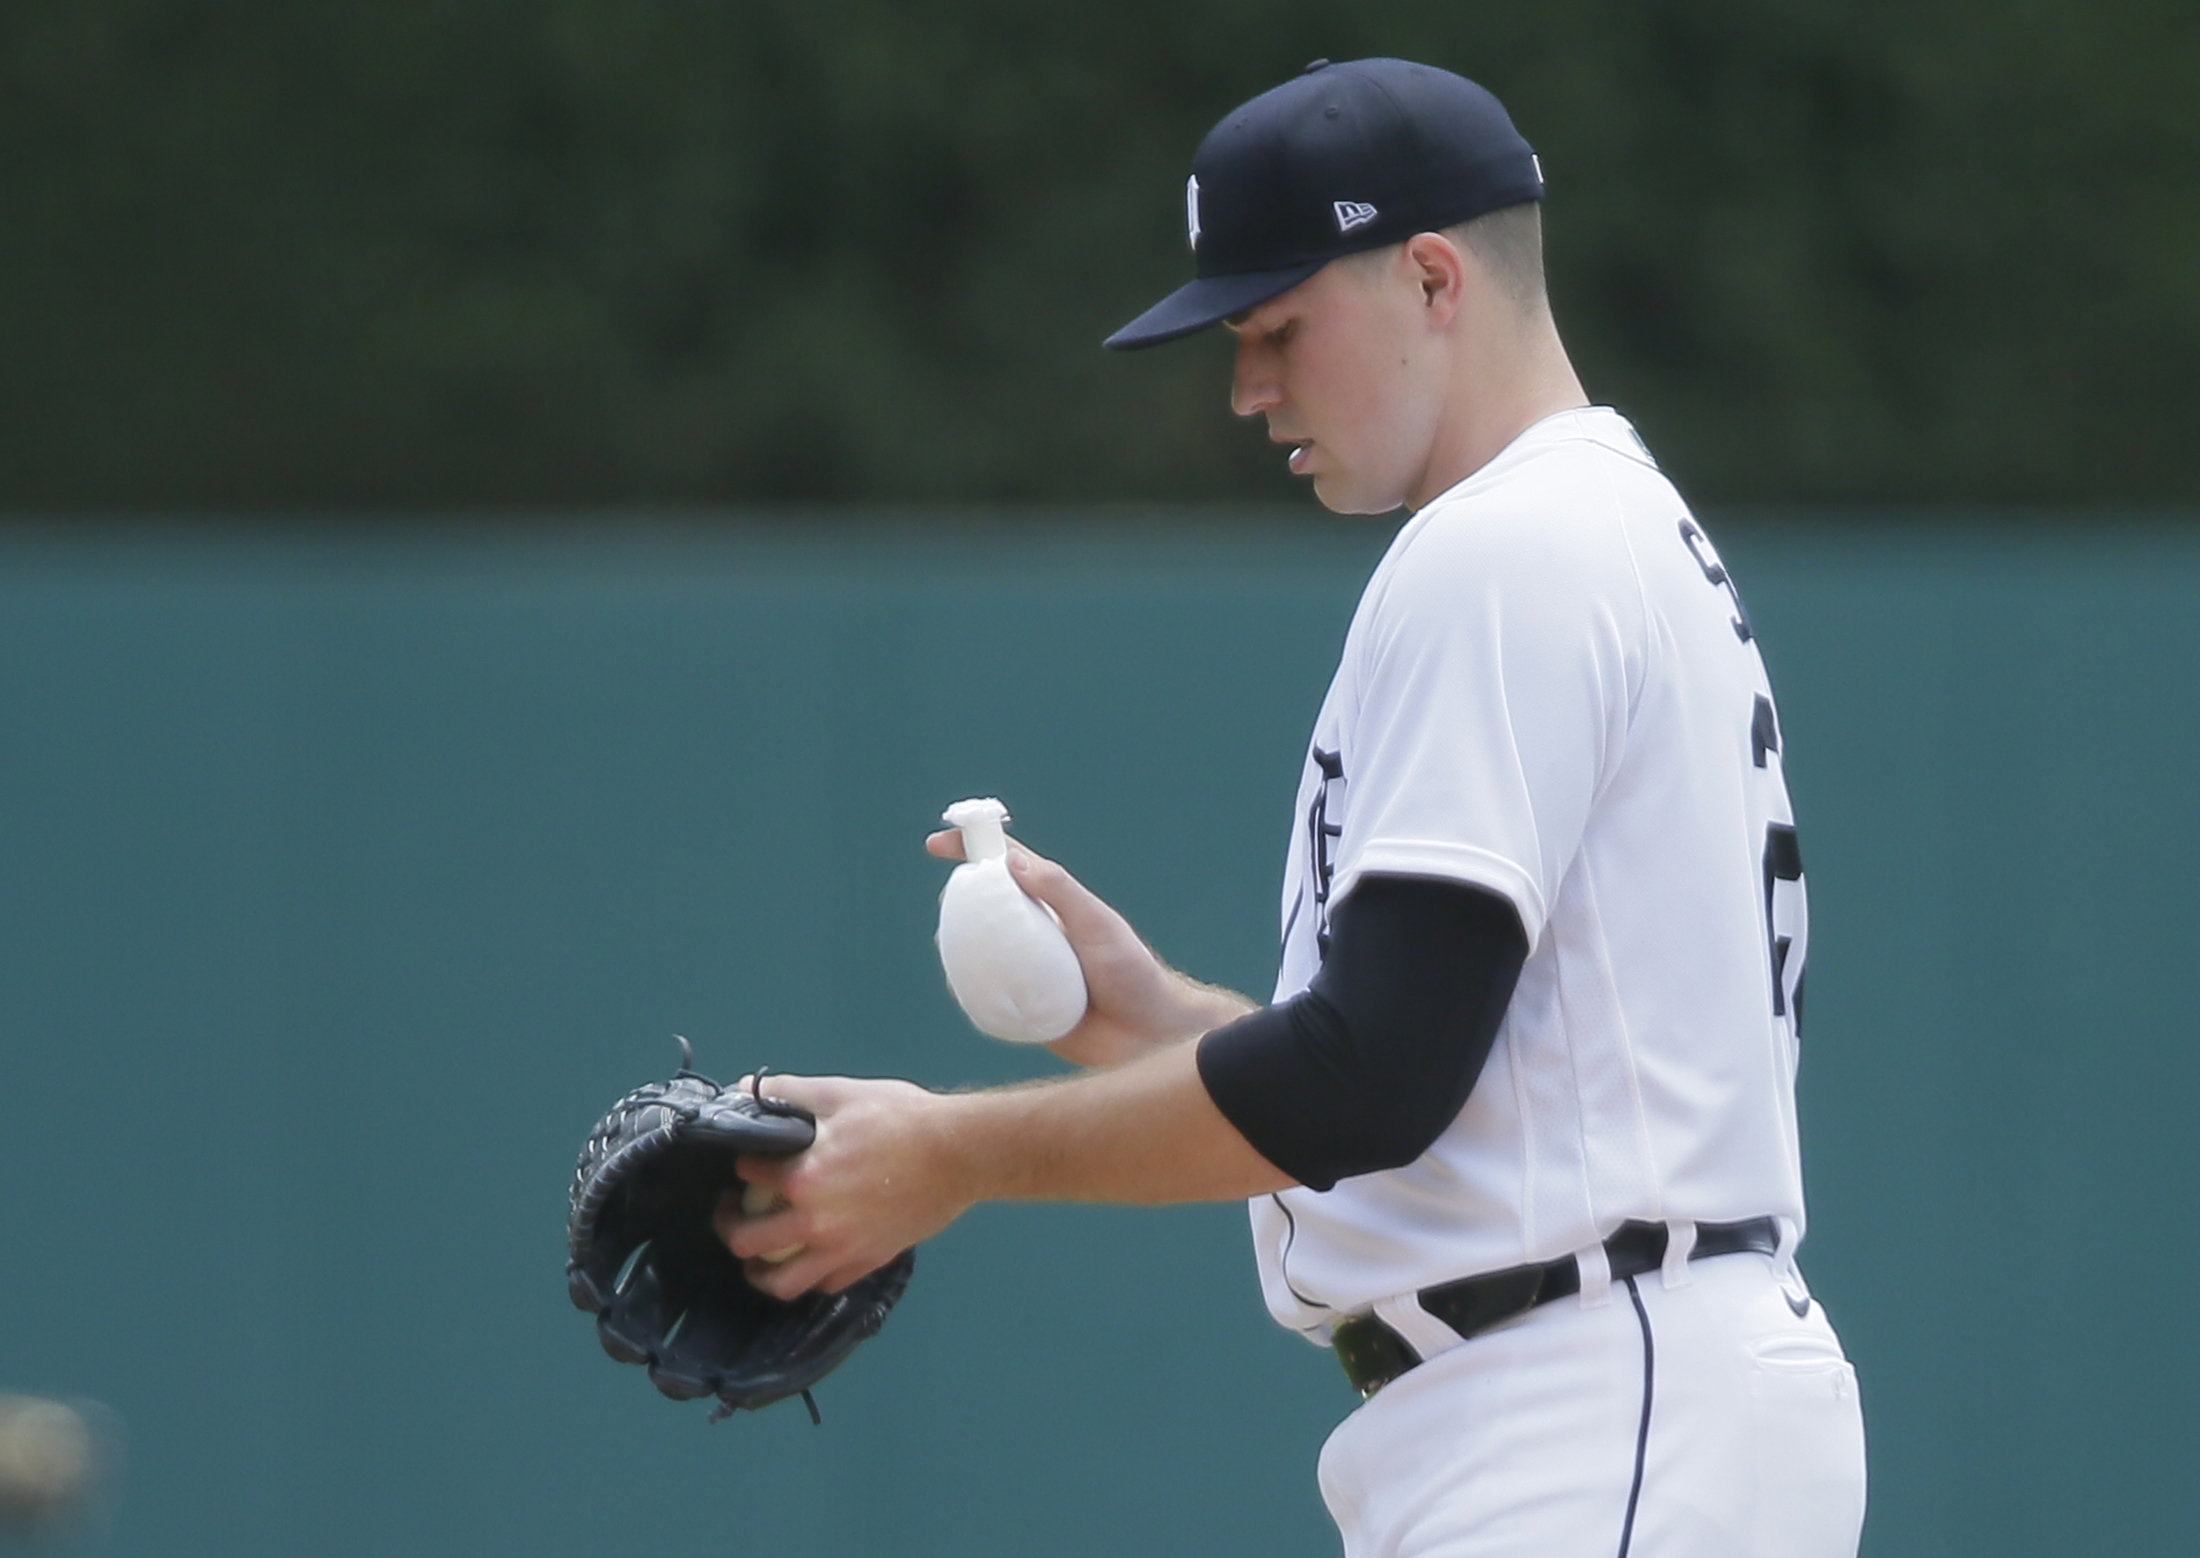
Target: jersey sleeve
1494	684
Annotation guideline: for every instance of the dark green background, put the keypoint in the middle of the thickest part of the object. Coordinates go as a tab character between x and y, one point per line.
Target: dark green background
345	877
313	253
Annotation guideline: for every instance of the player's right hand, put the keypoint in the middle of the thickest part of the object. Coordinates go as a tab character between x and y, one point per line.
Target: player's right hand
1136	1002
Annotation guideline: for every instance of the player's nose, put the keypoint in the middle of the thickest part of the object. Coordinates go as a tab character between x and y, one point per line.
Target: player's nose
1254	387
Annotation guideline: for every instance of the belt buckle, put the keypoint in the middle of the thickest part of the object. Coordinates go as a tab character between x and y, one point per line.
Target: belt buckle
1372	1353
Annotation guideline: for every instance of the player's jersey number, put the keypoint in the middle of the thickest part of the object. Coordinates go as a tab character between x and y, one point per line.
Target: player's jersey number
1784	932
1786	918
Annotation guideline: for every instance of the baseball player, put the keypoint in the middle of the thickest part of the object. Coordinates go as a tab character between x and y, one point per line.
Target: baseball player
1518	1128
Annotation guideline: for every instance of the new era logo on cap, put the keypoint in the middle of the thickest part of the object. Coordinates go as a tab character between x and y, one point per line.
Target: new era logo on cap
1352	213
1191	207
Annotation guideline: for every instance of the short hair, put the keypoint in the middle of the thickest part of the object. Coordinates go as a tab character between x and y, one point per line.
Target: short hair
1509	241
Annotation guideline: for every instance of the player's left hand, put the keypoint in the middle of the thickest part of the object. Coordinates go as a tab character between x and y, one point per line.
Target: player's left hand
874	1183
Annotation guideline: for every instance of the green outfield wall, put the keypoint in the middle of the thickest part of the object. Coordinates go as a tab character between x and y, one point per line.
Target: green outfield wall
346	874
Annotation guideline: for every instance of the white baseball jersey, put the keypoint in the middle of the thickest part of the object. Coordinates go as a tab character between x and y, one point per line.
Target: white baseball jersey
1550	690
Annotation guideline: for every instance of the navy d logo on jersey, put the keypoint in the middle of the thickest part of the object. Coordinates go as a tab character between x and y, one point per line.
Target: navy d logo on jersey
1322	833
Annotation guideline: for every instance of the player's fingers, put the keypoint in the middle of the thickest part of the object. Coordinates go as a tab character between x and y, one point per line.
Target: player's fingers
948	844
849	1274
771	1173
726	1217
819	1095
758	1237
1085	916
789	1278
740	1205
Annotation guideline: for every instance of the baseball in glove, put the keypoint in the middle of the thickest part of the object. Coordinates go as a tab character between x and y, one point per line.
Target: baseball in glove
643	1257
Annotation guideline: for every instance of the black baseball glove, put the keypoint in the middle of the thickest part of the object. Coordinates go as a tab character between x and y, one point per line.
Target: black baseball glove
666	1292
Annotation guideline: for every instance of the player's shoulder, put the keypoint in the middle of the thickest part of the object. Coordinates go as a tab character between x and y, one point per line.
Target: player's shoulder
1561	508
1573	474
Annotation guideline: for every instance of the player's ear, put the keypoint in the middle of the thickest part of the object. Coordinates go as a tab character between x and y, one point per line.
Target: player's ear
1439	270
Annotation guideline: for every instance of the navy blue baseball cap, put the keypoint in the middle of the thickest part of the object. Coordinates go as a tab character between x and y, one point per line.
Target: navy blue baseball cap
1338	160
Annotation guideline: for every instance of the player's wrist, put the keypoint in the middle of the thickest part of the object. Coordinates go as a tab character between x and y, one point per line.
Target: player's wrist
965	1160
1013	1143
1201	1007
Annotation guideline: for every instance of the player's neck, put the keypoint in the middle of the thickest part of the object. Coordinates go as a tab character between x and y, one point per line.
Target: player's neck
1516	375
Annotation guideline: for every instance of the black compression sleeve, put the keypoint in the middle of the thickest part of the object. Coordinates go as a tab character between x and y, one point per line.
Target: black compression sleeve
1365	1069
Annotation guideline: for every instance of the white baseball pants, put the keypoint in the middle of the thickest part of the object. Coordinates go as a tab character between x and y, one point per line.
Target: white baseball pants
1537	1439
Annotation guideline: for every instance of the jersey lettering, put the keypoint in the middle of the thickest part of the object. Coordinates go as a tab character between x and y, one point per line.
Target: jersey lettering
1785	933
1715	571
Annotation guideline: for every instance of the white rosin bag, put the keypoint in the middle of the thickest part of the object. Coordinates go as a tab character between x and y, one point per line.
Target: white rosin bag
1004	952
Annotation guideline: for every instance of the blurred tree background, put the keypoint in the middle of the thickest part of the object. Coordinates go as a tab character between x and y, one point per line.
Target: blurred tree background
558	253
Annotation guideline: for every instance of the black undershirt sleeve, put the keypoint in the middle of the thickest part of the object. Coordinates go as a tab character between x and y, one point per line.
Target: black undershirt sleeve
1365	1069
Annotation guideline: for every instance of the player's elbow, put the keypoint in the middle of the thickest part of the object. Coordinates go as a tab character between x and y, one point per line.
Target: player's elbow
1368	1068
1314	1104
1394	1124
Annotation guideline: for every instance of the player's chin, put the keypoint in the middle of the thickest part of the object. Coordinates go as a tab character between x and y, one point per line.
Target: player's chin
1341	495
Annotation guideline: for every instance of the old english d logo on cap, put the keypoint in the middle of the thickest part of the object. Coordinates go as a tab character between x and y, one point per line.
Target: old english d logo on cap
1338	160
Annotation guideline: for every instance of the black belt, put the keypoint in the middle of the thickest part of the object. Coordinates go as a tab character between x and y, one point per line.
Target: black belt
1373	1354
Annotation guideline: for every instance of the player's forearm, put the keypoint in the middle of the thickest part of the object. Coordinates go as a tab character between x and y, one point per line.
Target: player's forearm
1145	1132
